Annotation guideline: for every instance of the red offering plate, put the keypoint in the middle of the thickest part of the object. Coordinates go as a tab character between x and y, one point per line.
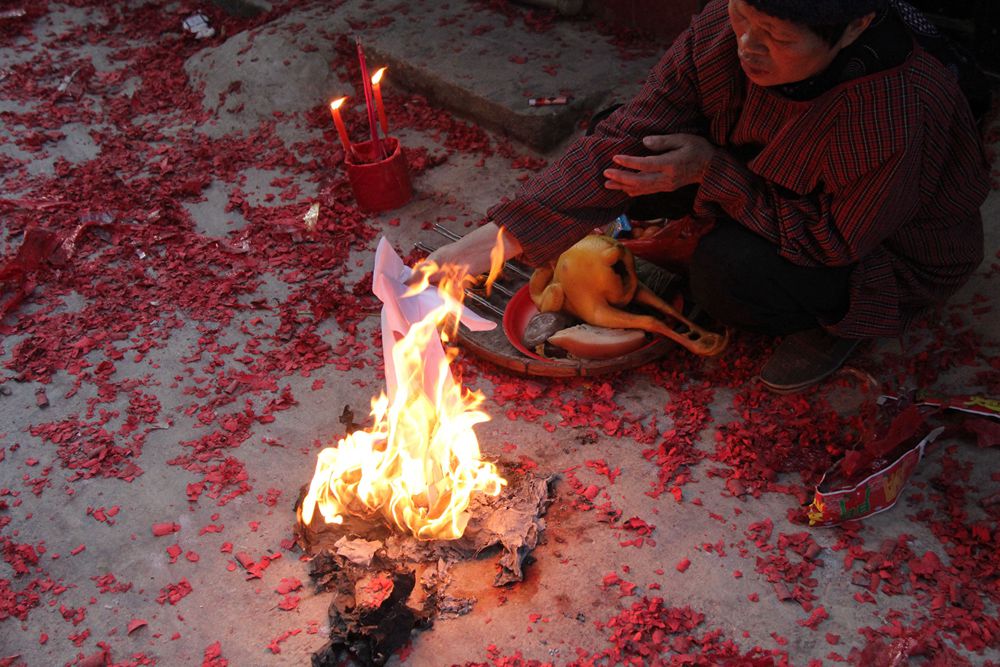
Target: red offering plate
520	309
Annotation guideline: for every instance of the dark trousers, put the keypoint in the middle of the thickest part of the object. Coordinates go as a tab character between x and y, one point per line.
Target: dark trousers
740	280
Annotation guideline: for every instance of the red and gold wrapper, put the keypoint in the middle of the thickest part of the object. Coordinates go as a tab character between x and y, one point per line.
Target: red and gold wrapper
836	503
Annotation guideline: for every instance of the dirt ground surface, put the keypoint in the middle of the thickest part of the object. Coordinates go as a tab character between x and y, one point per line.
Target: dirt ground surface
178	345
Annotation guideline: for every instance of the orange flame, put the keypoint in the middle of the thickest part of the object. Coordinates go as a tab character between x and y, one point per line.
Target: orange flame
420	463
337	103
496	261
377	76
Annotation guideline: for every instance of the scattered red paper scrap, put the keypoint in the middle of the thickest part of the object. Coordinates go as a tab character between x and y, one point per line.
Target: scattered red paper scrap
288	585
135	624
163	529
275	645
213	656
289	602
174	593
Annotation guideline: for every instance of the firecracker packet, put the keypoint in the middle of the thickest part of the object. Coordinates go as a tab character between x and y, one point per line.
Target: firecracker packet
833	503
840	497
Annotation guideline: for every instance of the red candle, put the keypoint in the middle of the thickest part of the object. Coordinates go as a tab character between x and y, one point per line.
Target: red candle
377	86
369	101
339	122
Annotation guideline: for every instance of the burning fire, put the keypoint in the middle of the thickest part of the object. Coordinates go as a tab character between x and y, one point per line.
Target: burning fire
420	463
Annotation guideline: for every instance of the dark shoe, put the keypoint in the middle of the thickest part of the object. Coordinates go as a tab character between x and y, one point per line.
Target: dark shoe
803	359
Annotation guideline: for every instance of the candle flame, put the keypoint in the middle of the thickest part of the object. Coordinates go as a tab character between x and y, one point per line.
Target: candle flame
377	76
337	103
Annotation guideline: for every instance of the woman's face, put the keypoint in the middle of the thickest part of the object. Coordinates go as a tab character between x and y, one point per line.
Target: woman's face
773	51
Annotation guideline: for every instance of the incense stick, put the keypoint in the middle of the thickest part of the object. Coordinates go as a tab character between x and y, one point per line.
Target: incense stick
369	101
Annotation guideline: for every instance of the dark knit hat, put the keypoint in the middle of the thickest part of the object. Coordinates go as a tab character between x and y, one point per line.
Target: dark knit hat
817	12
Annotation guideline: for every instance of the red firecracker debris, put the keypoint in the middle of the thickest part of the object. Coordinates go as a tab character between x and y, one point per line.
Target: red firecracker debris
163	529
174	593
213	656
135	624
275	645
288	585
289	602
818	616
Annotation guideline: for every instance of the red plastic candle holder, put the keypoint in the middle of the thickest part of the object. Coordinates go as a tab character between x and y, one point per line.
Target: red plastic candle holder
379	185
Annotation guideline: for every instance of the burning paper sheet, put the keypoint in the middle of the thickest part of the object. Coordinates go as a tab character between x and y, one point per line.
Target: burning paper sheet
399	312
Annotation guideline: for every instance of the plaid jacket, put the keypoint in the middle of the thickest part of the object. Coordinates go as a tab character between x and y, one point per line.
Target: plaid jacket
886	172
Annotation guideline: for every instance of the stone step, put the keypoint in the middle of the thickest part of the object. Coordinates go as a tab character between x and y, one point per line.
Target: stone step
486	66
479	63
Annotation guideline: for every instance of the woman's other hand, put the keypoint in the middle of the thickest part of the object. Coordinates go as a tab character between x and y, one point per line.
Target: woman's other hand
681	160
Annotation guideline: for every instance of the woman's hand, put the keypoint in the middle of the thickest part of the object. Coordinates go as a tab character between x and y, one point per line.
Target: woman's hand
473	250
682	159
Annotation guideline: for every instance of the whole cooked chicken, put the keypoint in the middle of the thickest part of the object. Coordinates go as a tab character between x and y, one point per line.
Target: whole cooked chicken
595	280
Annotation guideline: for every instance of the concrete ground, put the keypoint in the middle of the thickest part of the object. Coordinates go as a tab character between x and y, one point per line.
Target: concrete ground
168	382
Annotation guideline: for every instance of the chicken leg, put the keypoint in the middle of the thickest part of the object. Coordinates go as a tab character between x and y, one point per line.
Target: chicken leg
699	340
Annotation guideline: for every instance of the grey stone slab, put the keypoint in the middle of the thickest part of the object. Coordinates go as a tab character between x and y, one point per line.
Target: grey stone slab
243	7
469	61
460	56
254	74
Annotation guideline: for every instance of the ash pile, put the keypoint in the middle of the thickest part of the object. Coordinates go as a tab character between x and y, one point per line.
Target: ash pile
385	583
